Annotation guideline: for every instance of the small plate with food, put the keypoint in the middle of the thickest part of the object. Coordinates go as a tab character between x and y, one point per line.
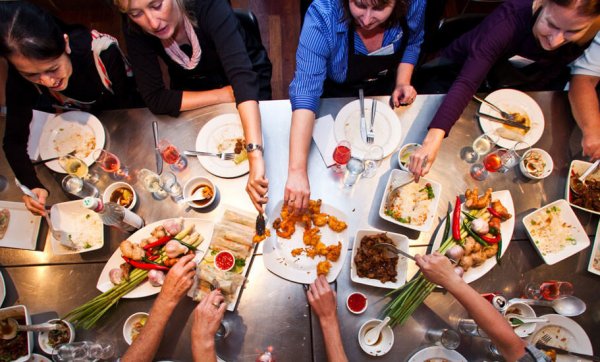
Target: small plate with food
223	134
410	204
83	227
17	349
19	228
491	225
525	110
305	246
583	195
536	164
437	353
373	265
133	326
564	333
555	231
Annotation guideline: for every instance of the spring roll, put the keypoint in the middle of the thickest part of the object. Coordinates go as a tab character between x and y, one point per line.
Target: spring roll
239	218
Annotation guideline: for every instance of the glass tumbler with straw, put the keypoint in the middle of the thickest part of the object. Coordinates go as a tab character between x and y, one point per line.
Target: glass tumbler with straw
111	164
152	183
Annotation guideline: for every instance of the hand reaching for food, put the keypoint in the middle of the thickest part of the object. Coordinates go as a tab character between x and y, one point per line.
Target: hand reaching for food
438	269
208	315
322	298
297	190
37	208
423	157
258	185
179	280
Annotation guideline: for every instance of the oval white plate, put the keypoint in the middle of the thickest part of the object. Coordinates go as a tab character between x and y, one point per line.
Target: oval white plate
510	100
437	352
211	135
387	127
576	339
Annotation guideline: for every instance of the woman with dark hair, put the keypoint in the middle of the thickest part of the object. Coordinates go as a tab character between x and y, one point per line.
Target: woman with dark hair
52	65
543	31
210	60
346	45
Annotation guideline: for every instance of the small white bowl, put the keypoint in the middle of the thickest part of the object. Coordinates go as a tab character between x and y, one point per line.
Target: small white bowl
191	185
116	185
128	326
348	303
406	151
526	311
43	336
385	343
223	252
547	159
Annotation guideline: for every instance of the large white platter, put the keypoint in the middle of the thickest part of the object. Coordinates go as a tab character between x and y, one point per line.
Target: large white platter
580	167
66	216
437	352
302	269
23	227
506	228
213	133
571	336
203	227
70	131
513	101
387	127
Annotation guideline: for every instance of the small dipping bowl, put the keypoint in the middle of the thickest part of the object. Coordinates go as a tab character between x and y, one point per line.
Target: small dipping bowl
43	336
404	154
194	184
383	344
357	302
128	326
224	260
545	158
525	311
113	193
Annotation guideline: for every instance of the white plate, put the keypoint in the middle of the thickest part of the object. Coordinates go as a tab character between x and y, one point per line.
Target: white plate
513	101
67	216
595	254
580	167
2	289
387	127
68	131
506	228
302	269
437	352
567	215
576	339
203	227
214	132
401	243
398	177
23	227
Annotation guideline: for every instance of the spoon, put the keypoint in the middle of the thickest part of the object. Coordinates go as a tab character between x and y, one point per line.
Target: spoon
10	327
587	172
516	320
391	248
569	306
196	196
372	335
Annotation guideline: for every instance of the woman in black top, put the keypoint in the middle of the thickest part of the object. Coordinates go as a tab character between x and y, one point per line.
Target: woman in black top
52	65
208	61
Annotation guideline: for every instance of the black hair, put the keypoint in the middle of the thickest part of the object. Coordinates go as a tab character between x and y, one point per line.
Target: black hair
398	13
30	31
589	8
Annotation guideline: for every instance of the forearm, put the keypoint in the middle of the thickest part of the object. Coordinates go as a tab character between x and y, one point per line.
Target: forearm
203	349
303	121
584	102
404	73
333	340
198	99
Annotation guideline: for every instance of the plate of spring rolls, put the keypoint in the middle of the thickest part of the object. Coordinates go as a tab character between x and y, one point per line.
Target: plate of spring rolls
233	233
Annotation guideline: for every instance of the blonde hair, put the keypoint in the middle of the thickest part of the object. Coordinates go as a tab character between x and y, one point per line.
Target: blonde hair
185	6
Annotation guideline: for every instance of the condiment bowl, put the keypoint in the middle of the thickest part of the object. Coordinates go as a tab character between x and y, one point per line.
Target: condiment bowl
404	154
224	254
106	196
545	158
43	336
383	345
525	311
128	326
356	295
190	187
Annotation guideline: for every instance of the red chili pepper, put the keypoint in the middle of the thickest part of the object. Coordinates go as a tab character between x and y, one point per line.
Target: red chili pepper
159	242
491	240
456	220
495	213
145	266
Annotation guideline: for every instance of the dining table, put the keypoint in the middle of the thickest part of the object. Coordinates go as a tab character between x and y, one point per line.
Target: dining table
273	313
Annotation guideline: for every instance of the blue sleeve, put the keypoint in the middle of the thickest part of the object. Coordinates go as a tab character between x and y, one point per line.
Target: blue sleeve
415	18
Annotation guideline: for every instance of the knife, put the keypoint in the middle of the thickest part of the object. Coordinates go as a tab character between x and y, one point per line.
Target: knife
505	121
363	121
545	347
159	160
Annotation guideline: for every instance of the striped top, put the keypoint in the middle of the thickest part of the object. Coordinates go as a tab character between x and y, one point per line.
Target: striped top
323	48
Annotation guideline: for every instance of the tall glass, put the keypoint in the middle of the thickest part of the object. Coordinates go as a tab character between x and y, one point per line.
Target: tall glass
341	155
75	166
78	187
172	186
111	164
171	155
152	183
372	160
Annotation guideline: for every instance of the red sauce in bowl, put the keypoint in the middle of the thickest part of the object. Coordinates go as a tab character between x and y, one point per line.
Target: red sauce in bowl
356	303
224	260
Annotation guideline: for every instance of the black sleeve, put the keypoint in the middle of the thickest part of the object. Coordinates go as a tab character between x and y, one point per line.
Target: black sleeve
220	23
20	98
148	74
125	92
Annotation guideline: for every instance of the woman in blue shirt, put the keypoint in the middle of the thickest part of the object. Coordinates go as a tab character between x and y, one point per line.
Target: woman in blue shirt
346	45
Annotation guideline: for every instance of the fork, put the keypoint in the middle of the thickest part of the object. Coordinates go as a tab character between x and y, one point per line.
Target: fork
391	248
34	163
221	155
546	338
370	133
510	117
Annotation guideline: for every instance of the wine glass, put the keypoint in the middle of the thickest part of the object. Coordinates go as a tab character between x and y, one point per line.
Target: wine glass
152	183
341	155
481	146
548	290
75	166
171	155
110	163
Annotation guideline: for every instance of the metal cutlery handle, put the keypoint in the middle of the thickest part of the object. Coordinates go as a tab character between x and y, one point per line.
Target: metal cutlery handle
494	107
200	153
361	97
373	113
155	132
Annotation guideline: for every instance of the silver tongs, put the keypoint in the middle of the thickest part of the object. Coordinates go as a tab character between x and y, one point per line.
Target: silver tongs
260	224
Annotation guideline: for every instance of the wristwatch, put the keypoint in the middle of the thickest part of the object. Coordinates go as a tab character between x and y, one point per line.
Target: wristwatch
250	147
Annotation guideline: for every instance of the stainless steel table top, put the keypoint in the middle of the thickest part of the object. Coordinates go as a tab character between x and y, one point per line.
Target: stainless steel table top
272	311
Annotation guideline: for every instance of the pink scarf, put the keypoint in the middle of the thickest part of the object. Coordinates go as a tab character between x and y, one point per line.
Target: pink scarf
178	56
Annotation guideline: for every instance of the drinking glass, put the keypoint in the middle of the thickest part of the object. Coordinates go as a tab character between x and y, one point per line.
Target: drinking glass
448	338
548	290
481	146
470	328
372	160
75	166
82	351
152	183
171	155
341	155
172	186
79	187
111	164
354	168
501	160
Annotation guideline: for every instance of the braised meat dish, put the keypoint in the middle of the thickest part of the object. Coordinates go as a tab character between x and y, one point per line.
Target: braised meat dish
586	194
376	263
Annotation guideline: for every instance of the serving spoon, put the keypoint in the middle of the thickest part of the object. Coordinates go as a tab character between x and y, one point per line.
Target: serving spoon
10	327
569	306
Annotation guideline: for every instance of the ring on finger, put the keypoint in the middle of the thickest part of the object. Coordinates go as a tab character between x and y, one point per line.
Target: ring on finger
216	304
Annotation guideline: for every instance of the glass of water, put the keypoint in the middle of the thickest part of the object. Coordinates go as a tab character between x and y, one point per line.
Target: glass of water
152	183
172	186
448	338
468	327
354	168
372	160
79	187
481	146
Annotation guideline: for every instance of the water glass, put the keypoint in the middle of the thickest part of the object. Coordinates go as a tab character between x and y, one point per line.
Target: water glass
341	155
79	187
372	160
468	327
448	338
82	352
152	183
481	146
170	154
354	168
548	290
172	186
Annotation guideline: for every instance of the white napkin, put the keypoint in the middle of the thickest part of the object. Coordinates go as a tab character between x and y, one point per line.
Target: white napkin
325	138
36	126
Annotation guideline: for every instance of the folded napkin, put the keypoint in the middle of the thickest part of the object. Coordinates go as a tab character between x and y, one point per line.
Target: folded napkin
325	138
36	126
